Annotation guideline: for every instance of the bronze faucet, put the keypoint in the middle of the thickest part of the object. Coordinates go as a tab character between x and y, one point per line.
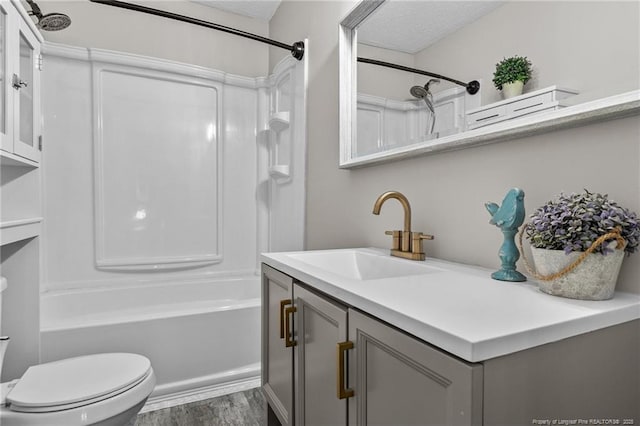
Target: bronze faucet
405	244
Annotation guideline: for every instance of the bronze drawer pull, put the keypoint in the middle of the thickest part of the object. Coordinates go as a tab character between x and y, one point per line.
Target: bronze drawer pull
342	348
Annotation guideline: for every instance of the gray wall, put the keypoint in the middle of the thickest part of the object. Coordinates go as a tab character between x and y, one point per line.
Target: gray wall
447	190
387	82
597	54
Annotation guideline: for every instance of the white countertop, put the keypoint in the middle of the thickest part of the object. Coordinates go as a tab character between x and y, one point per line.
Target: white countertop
460	309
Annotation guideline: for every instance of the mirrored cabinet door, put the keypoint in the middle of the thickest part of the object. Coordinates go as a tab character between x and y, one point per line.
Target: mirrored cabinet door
26	81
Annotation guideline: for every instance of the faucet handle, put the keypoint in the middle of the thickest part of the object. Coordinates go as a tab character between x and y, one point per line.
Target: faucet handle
416	242
397	237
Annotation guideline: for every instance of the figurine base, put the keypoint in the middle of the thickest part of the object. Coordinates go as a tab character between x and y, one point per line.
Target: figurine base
508	275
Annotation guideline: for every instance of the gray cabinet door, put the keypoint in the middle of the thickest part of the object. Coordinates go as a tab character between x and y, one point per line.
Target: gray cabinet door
277	358
400	380
320	326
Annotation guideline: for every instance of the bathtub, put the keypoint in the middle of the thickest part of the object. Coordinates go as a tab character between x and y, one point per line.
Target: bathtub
201	336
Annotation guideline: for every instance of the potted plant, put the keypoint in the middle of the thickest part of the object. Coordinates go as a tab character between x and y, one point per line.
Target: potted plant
578	243
511	74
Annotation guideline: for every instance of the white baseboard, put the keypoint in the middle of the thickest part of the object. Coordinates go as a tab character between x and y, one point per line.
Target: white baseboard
180	398
179	393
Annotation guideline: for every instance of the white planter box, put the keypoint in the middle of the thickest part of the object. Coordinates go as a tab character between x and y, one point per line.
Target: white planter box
540	100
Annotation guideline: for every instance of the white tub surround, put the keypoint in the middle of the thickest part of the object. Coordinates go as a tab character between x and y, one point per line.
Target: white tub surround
385	124
175	164
159	193
459	308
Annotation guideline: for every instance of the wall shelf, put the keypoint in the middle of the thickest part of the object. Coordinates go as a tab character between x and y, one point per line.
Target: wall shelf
17	230
613	107
11	160
548	98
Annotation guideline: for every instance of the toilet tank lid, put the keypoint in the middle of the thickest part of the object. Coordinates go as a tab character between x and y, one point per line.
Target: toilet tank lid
78	379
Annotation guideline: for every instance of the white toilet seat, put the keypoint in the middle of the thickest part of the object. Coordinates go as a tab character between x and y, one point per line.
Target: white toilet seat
74	382
69	407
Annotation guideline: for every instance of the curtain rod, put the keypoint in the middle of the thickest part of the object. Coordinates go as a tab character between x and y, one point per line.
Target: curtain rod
472	86
296	49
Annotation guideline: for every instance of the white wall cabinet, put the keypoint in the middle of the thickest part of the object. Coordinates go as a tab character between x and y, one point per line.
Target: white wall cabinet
334	365
21	211
20	66
20	186
328	363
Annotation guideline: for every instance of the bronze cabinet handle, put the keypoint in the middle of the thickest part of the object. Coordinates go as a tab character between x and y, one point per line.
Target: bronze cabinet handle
288	342
283	303
342	348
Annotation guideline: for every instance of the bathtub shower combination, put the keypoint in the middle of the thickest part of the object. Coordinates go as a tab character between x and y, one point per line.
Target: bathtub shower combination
198	336
162	184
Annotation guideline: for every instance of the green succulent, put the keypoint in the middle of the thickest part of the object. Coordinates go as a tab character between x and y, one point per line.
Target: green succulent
512	69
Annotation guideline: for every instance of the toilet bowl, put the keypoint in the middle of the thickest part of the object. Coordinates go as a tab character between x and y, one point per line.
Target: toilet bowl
103	389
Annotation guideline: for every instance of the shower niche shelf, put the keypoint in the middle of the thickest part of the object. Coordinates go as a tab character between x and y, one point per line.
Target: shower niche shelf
279	171
12	231
279	121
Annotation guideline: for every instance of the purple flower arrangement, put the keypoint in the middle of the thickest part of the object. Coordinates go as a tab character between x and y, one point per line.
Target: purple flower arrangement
574	222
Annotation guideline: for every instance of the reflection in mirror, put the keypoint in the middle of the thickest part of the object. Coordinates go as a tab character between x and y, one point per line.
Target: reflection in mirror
396	108
577	71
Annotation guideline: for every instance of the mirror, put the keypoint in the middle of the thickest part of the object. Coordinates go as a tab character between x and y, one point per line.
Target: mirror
579	74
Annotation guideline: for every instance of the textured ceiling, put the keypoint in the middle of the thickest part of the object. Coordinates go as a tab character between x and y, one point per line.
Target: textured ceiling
410	26
404	25
259	9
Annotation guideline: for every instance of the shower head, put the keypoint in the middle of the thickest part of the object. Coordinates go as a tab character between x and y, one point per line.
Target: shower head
420	92
50	21
54	22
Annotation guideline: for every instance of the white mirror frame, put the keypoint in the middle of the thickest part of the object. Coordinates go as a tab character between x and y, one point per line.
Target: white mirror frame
348	42
617	106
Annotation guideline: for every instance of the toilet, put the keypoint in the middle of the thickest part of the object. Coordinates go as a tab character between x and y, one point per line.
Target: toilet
102	389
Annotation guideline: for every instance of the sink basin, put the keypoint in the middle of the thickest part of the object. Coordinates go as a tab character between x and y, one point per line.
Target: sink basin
362	265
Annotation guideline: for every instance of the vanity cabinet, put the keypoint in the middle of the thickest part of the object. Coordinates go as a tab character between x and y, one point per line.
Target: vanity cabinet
277	353
20	65
299	360
326	363
400	380
334	359
320	330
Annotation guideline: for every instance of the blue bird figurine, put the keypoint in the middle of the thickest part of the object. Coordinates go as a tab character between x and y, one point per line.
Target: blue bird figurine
508	217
